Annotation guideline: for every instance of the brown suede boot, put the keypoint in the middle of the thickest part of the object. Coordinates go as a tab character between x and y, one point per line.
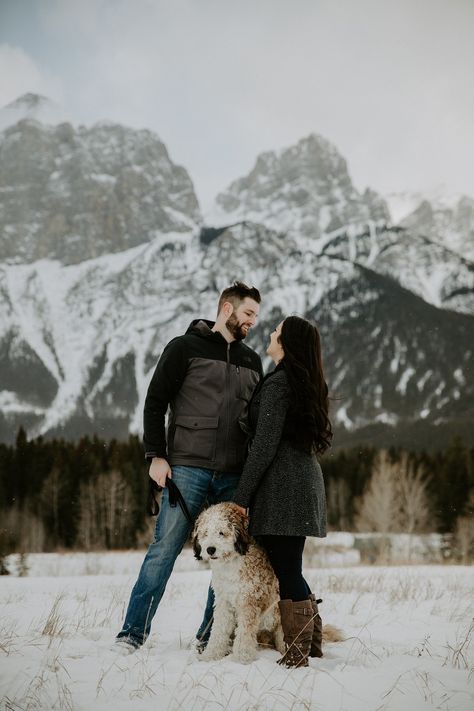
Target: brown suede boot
317	641
297	622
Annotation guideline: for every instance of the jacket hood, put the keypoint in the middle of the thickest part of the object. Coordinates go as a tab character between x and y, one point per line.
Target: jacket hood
202	327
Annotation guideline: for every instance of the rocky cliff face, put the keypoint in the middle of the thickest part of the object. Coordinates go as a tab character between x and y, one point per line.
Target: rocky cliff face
423	266
76	193
305	190
443	217
450	224
81	328
79	343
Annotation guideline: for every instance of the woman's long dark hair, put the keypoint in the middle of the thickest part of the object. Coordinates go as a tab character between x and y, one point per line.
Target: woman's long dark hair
308	421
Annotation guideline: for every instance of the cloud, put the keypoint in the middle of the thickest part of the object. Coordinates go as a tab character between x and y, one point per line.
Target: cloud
386	81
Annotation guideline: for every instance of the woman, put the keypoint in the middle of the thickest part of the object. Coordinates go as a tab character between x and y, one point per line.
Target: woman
282	484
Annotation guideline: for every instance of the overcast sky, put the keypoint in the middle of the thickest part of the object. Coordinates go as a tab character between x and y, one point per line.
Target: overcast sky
388	81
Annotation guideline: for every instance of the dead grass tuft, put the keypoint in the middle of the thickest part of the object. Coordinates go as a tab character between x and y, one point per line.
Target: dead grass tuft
55	626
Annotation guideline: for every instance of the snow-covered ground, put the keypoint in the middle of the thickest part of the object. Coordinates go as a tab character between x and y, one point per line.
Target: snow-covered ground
408	645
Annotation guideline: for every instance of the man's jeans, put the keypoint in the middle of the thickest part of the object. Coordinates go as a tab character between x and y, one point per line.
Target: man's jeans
171	532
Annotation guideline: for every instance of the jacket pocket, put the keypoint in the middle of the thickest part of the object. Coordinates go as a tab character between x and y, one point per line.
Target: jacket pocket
195	436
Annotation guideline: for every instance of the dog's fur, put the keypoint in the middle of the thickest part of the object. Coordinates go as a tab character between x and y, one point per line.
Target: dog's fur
245	586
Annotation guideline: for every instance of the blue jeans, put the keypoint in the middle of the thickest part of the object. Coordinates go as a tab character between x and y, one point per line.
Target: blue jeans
171	533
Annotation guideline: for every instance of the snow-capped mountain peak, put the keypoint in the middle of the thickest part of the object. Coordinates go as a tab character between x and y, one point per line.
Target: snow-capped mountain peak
76	192
105	259
304	189
445	217
34	107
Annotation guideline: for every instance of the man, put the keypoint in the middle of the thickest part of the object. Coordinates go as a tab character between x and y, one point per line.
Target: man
206	377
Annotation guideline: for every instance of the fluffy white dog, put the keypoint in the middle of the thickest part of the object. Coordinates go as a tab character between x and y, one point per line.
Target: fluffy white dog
244	584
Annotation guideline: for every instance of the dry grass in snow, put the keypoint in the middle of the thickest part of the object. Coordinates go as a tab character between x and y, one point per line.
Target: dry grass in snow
409	646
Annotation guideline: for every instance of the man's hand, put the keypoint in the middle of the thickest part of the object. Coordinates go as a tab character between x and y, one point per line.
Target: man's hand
159	471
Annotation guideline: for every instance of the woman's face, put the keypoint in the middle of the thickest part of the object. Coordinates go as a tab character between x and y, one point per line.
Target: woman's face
275	350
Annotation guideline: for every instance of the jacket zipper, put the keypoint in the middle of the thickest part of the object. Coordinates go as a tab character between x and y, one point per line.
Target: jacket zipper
228	397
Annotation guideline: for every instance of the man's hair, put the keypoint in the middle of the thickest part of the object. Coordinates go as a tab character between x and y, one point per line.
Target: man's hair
237	293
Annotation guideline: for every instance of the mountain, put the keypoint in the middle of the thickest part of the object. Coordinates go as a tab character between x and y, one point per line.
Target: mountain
441	277
105	258
305	189
453	225
32	106
79	342
447	219
76	193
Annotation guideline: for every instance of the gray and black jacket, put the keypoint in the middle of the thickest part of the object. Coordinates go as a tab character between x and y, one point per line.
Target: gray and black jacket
207	384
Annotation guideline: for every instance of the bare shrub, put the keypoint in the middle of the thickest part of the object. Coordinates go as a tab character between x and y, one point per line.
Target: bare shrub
91	530
376	510
463	538
339	504
21	532
106	512
7	543
50	500
395	500
22	565
414	510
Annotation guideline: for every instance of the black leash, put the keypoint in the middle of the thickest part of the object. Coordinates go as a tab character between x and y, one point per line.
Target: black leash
174	495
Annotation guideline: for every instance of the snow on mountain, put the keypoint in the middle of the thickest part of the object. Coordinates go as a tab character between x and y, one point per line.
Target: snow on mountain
105	260
305	189
84	327
94	331
441	277
32	106
453	226
403	203
74	193
443	217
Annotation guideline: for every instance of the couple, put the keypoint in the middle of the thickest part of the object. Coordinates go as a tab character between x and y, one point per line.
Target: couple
218	399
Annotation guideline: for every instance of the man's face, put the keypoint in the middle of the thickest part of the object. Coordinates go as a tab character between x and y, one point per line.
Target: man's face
243	318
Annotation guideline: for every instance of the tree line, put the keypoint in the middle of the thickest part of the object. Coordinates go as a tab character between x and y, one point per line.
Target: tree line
92	494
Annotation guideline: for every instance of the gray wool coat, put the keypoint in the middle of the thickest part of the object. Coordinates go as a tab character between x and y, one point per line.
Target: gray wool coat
282	486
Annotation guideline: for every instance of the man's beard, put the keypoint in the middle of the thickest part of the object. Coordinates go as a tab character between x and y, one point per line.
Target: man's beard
235	328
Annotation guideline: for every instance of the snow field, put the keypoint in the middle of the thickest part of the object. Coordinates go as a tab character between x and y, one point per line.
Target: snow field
408	647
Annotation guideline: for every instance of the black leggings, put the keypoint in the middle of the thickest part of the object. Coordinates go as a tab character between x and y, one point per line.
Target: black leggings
286	556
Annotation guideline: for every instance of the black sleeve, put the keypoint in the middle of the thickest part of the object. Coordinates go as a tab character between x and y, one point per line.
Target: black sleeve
164	386
274	405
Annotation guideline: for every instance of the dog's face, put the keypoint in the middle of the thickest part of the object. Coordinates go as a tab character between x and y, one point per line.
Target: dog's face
219	532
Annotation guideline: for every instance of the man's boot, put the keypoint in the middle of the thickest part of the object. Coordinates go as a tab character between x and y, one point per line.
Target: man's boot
297	622
317	640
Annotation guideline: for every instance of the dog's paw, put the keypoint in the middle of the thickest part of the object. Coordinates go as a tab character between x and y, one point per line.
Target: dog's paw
195	650
243	655
212	655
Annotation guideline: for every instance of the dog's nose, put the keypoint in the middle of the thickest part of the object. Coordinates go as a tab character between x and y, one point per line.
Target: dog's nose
211	550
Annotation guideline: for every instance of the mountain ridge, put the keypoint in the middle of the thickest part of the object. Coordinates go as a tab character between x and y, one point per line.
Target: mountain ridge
86	308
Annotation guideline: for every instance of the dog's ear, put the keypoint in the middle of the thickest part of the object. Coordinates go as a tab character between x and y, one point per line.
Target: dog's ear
242	539
196	547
